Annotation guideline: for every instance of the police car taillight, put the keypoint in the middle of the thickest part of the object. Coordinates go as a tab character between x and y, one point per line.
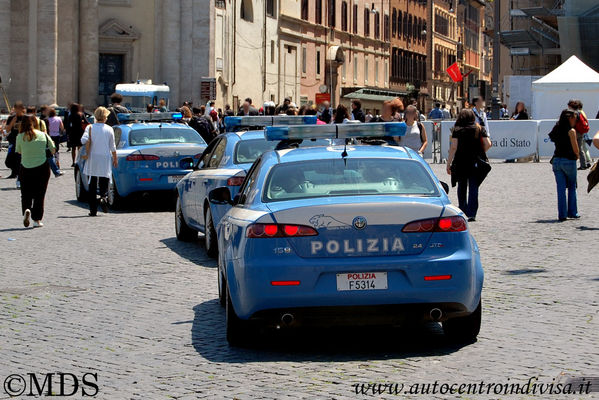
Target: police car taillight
279	230
444	224
235	181
141	157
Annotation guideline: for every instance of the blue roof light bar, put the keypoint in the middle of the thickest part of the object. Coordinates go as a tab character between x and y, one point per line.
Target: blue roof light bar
342	131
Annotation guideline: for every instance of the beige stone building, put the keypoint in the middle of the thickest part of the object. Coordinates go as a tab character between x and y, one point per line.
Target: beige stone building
59	51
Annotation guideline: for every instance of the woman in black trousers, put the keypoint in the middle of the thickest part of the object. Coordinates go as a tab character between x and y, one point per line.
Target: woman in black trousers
469	144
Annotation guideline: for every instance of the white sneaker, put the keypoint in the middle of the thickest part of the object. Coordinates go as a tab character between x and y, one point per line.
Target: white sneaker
37	224
26	217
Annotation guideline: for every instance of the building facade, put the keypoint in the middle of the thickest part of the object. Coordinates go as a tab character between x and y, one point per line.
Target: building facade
60	51
344	48
443	42
409	32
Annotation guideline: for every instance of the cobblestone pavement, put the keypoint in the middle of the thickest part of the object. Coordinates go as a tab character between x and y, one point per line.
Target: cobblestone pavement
120	296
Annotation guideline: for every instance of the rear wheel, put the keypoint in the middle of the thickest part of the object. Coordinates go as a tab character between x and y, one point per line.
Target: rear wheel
183	231
115	201
464	329
238	330
211	240
80	191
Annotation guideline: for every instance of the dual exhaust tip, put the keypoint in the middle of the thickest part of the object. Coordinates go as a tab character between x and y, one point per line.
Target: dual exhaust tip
436	314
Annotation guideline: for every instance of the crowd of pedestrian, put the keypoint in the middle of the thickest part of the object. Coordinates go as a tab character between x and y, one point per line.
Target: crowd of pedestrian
35	135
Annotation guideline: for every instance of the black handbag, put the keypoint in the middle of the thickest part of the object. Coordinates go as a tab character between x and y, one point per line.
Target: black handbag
482	168
49	153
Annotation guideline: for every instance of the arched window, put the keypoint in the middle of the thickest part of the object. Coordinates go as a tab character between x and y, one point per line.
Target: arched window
247	11
399	24
344	16
394	22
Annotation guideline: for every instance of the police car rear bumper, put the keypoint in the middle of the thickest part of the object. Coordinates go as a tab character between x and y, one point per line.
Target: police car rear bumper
387	314
317	286
147	180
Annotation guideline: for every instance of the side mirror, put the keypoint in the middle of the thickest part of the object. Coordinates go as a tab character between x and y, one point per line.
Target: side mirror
186	163
445	187
220	195
236	199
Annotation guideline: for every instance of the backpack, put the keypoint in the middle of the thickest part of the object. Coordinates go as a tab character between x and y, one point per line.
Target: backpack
582	124
203	127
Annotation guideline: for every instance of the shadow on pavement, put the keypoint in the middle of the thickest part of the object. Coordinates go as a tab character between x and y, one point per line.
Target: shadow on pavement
192	251
524	271
317	345
586	228
546	221
138	204
15	229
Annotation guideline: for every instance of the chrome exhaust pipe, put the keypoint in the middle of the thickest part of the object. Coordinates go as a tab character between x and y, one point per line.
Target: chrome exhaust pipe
436	314
287	319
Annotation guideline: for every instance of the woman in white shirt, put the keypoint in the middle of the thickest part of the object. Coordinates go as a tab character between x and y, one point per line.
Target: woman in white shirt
415	137
101	157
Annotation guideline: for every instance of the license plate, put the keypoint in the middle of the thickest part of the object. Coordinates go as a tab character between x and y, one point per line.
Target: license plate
362	281
175	178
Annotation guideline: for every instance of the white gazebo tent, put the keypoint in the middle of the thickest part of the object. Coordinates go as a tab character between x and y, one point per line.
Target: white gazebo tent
571	80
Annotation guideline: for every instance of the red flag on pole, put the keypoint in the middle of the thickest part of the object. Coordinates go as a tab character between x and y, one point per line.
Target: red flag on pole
454	72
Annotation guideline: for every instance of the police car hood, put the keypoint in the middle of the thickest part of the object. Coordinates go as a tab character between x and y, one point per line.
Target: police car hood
358	226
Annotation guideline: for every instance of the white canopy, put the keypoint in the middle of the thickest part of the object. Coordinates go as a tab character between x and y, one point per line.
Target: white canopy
571	80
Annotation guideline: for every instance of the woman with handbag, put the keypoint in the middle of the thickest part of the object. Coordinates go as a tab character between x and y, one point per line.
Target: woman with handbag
55	129
467	162
101	156
34	147
563	135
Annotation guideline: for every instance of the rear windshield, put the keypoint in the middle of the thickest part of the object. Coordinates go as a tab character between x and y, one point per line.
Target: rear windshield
136	101
140	137
248	151
327	178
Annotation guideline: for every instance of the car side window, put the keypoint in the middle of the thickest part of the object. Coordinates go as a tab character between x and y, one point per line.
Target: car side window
117	137
217	154
249	183
204	161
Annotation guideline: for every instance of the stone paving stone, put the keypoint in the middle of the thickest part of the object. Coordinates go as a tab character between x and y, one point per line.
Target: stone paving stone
120	296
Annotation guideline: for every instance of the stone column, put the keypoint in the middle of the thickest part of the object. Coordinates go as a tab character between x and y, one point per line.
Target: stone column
89	56
186	51
171	48
47	51
5	59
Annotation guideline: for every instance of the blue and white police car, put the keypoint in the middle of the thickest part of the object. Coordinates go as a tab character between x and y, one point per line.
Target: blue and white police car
345	234
154	152
225	163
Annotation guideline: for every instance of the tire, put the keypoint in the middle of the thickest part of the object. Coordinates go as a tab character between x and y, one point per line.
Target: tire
222	289
238	330
80	191
211	239
183	231
115	201
464	329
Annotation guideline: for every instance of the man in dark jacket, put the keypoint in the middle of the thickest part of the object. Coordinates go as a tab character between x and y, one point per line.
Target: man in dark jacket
115	108
357	112
202	125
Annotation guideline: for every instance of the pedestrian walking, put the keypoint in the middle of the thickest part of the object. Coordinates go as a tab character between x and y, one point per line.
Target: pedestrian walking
520	112
582	127
478	107
415	137
341	115
55	130
436	113
13	127
75	126
467	162
33	146
202	124
40	126
563	135
357	113
116	108
101	157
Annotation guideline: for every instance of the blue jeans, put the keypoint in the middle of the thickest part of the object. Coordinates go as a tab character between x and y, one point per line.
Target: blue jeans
53	166
468	196
565	178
